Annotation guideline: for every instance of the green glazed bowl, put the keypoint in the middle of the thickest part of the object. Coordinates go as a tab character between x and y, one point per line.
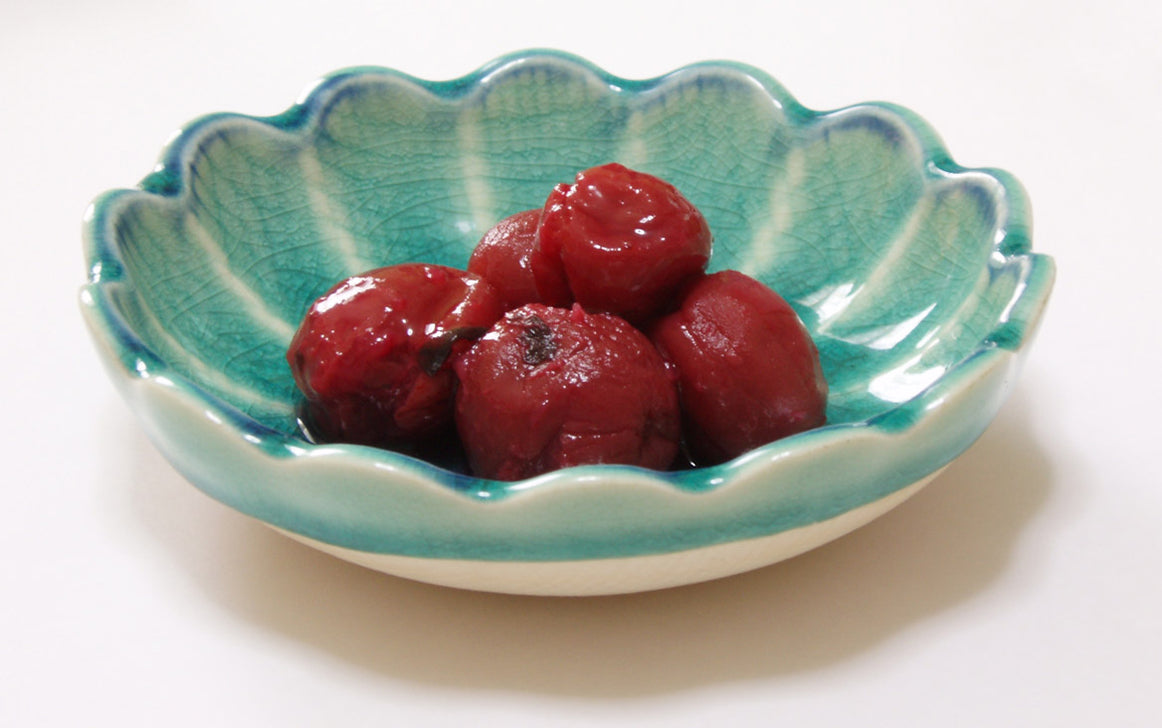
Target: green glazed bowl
914	275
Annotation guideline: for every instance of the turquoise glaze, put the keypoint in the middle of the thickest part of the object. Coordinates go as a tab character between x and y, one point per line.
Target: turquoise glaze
914	274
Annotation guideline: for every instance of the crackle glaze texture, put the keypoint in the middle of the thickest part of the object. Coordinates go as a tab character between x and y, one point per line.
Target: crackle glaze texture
914	275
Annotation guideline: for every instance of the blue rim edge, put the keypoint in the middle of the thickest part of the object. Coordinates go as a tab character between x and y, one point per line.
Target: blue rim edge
135	361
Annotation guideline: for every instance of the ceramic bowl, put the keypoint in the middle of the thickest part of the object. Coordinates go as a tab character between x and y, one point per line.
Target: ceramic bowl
914	275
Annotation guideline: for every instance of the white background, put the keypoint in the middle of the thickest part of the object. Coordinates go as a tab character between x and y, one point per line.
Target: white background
1021	588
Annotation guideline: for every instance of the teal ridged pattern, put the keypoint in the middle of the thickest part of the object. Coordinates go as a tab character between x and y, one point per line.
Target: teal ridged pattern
913	274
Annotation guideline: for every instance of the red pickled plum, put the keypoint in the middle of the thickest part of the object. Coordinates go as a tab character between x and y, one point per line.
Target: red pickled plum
372	355
626	241
748	371
502	257
549	388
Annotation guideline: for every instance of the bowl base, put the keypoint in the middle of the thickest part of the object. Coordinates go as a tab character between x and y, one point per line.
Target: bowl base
622	575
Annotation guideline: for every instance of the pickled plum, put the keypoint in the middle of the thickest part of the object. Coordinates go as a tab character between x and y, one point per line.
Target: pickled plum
503	258
625	240
616	347
372	355
748	371
549	387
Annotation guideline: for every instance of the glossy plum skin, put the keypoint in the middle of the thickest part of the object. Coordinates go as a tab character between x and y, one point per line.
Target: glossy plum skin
503	258
372	355
748	371
549	388
625	241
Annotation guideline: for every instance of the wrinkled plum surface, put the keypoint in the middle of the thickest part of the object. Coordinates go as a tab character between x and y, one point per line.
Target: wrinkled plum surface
372	355
748	371
625	240
503	258
549	387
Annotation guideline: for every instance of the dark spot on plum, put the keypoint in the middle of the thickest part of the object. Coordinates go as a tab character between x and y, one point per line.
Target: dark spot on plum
537	340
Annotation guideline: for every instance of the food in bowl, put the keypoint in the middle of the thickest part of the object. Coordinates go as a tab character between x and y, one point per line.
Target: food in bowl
748	373
381	356
504	258
625	241
549	388
372	355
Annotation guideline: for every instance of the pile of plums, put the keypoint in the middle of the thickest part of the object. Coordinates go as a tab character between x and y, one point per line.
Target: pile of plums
585	331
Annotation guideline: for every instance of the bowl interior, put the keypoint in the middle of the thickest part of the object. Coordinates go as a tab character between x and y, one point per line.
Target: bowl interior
900	266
